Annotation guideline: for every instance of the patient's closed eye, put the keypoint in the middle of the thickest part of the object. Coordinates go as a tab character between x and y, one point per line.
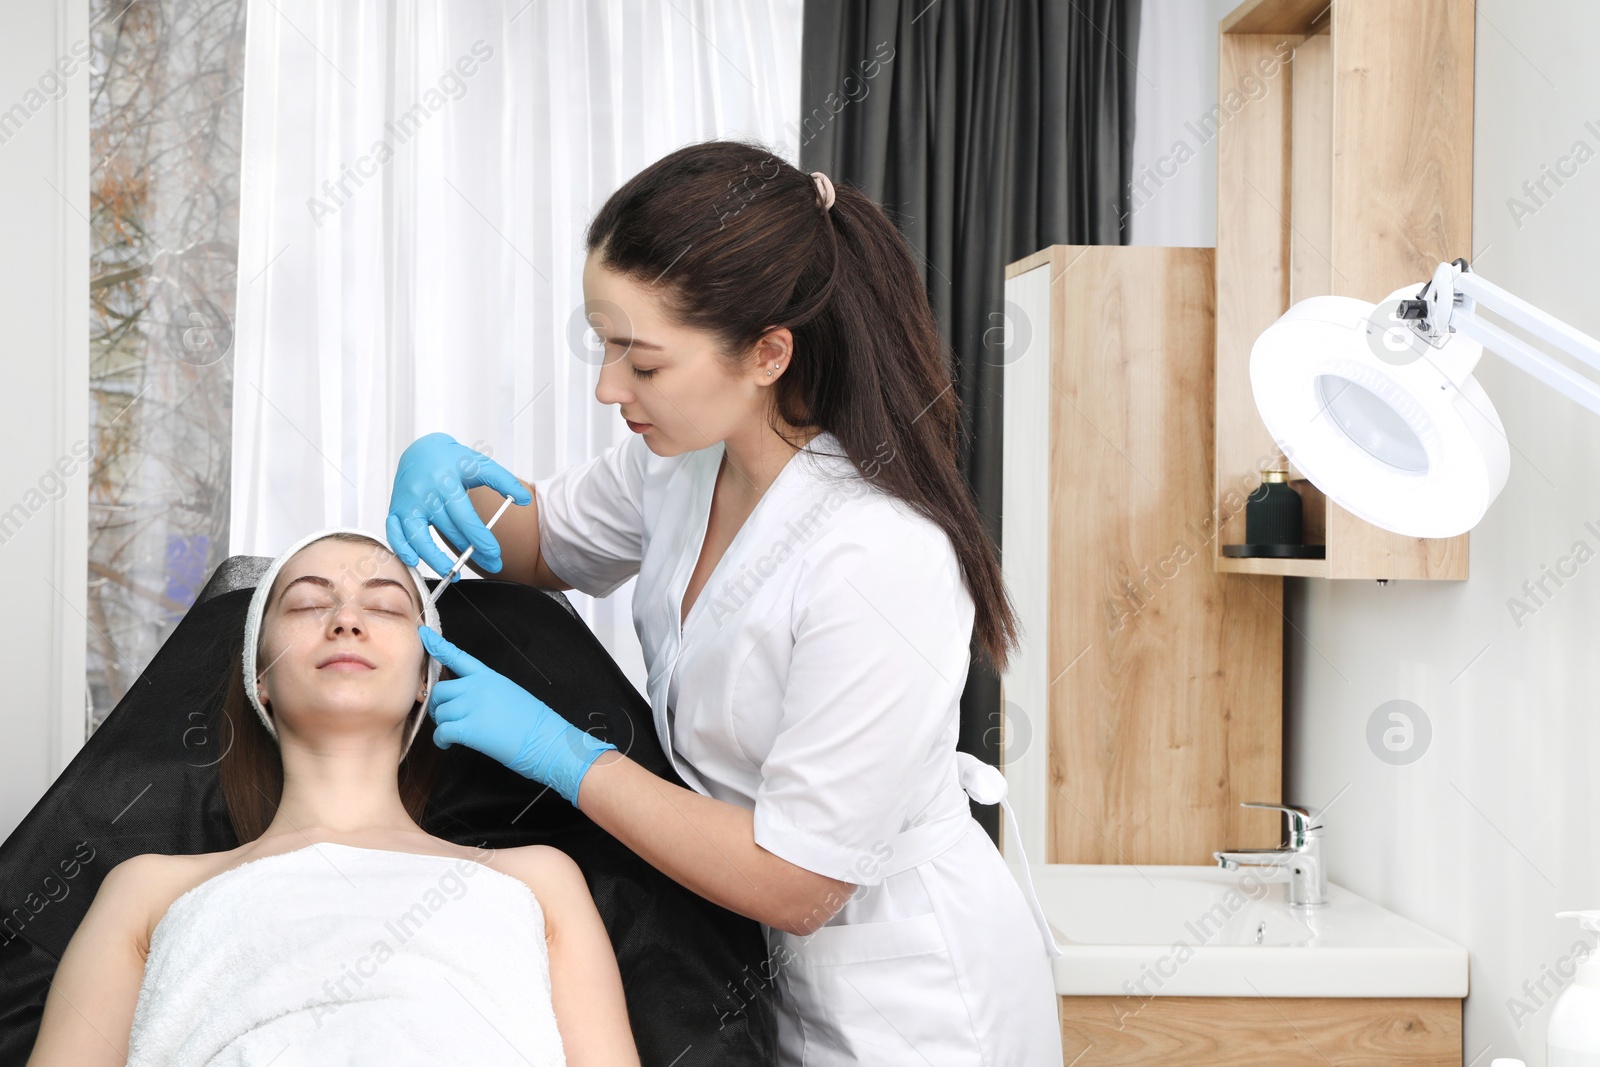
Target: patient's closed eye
389	605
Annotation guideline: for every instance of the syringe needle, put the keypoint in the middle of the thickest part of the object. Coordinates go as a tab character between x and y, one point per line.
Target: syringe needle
444	583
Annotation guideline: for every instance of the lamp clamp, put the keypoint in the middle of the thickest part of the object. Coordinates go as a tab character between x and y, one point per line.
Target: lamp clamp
1430	311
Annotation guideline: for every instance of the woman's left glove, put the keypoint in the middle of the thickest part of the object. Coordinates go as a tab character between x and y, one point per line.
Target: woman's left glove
485	710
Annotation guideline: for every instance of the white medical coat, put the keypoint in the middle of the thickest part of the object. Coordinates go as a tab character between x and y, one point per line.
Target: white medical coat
817	681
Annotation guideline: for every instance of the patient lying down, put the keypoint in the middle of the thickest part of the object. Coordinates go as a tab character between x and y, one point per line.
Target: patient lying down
340	932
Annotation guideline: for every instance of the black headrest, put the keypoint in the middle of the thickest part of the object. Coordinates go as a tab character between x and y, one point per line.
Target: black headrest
146	781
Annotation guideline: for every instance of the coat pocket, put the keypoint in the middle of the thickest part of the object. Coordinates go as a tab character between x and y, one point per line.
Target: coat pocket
880	993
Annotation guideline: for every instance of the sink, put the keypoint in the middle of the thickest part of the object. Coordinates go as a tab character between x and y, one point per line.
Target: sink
1207	932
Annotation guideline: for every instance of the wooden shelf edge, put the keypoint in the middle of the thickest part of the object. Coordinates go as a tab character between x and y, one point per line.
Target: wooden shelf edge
1275	16
1286	568
1029	262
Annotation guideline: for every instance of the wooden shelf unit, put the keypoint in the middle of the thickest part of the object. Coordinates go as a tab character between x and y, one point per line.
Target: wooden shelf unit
1155	684
1344	166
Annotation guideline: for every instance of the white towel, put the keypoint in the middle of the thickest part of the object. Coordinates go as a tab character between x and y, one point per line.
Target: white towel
333	954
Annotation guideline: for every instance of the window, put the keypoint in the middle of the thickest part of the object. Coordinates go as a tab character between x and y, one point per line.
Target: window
165	120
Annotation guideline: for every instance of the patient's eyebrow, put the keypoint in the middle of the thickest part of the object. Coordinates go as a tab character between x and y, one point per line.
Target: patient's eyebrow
317	579
320	580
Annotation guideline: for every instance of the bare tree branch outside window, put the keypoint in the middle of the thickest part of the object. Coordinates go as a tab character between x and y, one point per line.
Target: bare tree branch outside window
165	119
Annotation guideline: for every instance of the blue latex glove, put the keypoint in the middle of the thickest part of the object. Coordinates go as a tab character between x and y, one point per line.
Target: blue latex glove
430	489
485	710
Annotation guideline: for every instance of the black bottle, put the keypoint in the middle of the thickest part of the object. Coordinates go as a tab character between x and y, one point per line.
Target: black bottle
1273	513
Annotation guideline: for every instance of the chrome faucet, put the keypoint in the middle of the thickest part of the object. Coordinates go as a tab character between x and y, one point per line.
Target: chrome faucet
1300	856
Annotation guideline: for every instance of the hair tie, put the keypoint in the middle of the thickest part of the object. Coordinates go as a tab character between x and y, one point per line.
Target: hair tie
824	188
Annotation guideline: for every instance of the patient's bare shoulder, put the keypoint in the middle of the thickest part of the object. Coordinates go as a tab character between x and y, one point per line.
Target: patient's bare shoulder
155	881
585	982
88	1012
132	891
556	880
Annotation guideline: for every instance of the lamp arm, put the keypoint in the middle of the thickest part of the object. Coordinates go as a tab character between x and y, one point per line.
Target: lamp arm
1449	303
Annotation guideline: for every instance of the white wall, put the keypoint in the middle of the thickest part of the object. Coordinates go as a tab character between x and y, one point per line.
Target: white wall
44	309
1495	825
1174	160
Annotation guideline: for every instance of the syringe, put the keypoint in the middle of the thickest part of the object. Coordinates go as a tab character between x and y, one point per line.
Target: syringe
444	583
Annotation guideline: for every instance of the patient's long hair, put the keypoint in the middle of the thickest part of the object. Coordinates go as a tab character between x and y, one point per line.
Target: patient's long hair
251	768
737	243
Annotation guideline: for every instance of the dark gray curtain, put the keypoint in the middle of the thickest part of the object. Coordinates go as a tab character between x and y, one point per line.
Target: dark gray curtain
988	129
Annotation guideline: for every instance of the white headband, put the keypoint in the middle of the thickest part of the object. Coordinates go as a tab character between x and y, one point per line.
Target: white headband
258	603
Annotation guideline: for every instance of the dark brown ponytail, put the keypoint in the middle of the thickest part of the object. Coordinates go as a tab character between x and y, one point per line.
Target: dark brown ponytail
739	243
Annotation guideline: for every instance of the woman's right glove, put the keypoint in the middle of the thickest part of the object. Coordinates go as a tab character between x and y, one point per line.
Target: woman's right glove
430	490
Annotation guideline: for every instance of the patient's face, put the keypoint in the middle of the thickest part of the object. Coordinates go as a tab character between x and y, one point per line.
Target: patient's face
337	599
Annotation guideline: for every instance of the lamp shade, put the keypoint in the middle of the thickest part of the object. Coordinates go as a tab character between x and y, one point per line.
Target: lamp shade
1390	428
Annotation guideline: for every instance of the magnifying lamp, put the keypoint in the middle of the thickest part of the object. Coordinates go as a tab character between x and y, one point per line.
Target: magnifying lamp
1376	403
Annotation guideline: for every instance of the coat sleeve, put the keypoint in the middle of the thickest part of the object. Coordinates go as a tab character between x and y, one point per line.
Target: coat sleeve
591	518
882	628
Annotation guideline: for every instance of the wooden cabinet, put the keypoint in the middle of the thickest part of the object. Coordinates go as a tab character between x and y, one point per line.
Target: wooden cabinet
1261	1031
1154	685
1344	166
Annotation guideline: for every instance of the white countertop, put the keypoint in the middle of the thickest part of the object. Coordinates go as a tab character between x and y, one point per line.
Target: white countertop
1205	932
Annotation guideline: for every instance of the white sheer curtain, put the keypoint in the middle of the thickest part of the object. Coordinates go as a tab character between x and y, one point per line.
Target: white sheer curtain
417	177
